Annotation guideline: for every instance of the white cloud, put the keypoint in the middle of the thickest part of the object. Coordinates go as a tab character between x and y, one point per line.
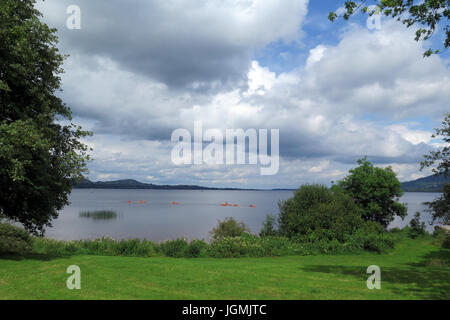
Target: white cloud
183	43
327	111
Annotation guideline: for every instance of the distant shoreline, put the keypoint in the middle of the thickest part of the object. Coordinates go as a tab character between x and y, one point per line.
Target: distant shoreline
208	189
431	184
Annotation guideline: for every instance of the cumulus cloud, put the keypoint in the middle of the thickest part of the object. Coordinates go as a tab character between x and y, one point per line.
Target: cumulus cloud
182	43
138	70
379	72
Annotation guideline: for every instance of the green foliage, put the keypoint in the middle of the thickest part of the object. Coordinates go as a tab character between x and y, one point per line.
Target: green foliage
446	242
14	239
269	228
370	236
417	228
229	227
104	246
327	220
426	15
442	238
440	208
252	246
440	158
196	248
175	248
40	158
319	212
98	215
375	191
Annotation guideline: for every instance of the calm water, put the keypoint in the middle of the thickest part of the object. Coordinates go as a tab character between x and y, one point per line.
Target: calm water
157	219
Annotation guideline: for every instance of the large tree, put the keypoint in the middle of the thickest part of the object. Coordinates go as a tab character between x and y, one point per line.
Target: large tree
41	155
440	161
440	158
427	15
376	191
317	212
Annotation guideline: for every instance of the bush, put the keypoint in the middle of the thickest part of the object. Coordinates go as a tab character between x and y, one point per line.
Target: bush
105	246
395	230
446	242
252	246
135	247
372	241
440	207
441	237
57	248
14	239
319	213
196	248
268	228
417	228
175	248
229	227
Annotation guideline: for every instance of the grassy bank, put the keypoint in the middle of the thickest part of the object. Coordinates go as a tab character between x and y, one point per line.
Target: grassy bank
415	269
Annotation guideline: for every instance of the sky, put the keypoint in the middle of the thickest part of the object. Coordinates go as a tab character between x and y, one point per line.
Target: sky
140	69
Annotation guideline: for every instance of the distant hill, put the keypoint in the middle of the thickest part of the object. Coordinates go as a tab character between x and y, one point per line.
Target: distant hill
428	184
133	184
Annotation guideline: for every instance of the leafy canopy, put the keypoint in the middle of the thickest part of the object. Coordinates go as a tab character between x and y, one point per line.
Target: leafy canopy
416	227
41	155
229	227
440	208
427	15
376	191
319	212
269	227
440	158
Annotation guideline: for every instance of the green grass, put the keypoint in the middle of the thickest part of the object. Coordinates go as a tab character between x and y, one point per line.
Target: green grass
416	269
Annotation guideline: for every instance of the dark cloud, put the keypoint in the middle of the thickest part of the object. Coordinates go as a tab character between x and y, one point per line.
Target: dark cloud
184	44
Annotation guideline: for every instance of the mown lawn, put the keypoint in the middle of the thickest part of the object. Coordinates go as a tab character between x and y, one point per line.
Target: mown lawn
415	270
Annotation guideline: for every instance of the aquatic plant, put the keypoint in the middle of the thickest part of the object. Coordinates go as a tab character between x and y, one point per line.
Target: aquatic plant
99	214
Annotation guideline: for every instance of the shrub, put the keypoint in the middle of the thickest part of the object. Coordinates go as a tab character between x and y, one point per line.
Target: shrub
57	248
235	247
175	248
373	237
134	247
446	242
196	248
105	246
417	228
319	213
14	239
229	227
440	207
441	237
252	246
395	230
268	228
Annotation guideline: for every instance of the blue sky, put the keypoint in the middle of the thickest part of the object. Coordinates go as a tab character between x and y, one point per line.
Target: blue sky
338	91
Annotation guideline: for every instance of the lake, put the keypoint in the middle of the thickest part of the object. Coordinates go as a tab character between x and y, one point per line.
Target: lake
156	219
